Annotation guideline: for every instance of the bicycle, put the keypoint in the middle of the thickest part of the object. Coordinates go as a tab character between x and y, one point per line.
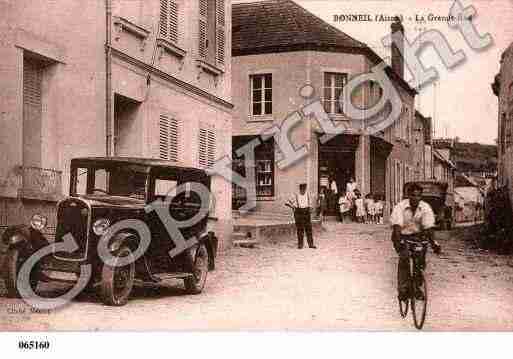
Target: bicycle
416	250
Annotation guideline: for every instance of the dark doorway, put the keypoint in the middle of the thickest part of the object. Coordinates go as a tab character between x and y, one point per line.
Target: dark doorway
336	164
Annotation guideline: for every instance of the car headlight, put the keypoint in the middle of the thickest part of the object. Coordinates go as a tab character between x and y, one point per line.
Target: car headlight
100	226
38	222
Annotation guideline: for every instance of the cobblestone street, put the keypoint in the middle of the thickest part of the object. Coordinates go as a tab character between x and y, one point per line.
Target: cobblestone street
348	283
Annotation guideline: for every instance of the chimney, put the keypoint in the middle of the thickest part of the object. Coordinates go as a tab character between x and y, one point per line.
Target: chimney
397	46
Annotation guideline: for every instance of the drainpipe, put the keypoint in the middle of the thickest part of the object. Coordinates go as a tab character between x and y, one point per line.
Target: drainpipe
109	121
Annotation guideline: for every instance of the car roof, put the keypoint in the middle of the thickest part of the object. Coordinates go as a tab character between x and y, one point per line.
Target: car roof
149	163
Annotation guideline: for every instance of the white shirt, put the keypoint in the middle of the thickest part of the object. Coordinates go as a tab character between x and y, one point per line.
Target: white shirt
410	223
344	204
303	201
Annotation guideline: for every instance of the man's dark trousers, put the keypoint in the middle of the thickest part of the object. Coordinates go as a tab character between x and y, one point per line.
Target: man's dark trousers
303	224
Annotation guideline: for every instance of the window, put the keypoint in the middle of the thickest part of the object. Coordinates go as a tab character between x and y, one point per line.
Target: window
261	94
212	32
116	181
333	89
168	26
165	187
168	138
207	147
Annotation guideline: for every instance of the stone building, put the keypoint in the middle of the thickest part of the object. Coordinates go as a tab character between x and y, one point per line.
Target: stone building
144	78
279	47
422	146
503	88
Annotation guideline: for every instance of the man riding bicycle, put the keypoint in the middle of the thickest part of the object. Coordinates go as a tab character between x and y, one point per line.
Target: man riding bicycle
412	219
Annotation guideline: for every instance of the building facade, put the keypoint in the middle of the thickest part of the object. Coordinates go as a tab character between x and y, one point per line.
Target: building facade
503	88
272	60
421	146
140	78
444	169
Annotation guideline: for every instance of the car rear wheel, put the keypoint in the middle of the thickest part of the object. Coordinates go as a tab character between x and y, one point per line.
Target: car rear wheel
117	281
196	283
13	262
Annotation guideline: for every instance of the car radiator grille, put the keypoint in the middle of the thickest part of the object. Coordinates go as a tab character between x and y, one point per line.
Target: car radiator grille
72	218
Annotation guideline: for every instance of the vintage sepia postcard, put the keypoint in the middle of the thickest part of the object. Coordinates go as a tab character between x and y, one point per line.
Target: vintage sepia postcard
274	165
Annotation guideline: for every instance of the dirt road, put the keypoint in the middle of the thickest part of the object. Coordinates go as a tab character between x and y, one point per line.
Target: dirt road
348	283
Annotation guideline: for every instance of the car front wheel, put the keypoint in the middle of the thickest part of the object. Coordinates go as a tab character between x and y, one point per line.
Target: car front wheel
196	283
13	262
117	281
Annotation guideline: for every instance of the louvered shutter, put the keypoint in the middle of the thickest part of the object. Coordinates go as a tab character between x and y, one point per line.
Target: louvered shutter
168	26
173	21
32	80
164	16
207	147
220	31
32	112
168	138
203	26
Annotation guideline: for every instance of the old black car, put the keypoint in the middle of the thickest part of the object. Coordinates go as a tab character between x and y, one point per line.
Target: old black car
436	194
105	193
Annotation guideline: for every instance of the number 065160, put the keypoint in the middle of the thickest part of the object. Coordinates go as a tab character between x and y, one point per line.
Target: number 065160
33	345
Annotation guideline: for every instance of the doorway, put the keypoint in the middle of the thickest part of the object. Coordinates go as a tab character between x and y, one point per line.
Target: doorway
336	168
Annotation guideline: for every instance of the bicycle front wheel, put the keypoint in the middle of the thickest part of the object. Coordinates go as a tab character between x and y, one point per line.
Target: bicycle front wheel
418	306
403	307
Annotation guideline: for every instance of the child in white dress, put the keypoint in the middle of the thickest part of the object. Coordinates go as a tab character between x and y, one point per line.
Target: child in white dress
360	208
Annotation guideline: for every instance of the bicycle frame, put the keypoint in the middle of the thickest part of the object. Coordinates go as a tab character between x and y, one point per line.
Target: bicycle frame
416	251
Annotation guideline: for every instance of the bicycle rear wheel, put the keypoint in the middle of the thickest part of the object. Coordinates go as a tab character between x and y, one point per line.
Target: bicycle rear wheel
419	307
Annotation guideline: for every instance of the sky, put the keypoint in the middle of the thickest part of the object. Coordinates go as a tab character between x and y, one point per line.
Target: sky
461	103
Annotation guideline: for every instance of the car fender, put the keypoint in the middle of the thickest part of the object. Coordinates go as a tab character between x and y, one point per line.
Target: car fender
24	238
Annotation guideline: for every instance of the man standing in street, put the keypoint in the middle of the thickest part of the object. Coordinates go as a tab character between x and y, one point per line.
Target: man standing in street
411	220
302	217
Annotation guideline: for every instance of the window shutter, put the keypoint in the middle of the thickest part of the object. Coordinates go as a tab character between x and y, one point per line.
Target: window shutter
173	21
164	15
168	26
168	138
32	83
207	147
220	31
202	30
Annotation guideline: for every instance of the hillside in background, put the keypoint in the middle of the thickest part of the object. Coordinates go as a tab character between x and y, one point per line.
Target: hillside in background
475	157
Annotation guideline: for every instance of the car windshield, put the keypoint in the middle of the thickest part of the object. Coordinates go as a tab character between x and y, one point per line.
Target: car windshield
113	181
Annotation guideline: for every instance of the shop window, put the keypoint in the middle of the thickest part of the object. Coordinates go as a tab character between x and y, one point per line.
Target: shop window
264	171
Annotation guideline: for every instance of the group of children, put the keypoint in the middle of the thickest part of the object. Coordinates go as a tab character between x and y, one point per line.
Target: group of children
368	210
